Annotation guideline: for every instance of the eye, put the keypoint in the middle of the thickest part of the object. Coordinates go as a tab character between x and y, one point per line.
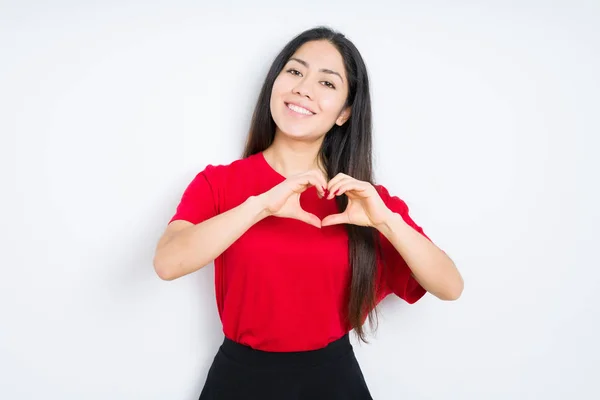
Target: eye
328	84
294	72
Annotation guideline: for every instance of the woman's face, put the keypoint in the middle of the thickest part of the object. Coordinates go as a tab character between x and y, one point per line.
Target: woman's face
309	94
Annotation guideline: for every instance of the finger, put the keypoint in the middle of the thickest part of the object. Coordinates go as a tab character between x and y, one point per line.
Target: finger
334	189
309	218
336	179
354	186
318	179
304	181
335	219
322	179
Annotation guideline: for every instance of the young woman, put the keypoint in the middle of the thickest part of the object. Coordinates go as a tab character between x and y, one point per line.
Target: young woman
305	245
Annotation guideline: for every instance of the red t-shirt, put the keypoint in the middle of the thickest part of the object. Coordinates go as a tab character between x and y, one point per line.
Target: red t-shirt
284	284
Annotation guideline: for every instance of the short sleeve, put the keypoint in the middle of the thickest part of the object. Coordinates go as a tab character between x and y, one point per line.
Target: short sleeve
396	275
199	201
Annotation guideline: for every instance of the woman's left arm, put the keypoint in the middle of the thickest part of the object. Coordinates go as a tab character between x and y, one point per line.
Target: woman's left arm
430	266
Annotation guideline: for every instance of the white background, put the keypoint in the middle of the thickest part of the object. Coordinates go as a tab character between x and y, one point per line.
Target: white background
486	124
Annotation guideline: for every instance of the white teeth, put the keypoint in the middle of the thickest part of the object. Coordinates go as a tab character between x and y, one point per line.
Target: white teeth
299	109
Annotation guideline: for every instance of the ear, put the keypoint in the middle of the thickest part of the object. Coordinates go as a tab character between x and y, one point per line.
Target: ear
344	115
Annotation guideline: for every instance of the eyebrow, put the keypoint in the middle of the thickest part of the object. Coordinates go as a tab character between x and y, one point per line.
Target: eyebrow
327	71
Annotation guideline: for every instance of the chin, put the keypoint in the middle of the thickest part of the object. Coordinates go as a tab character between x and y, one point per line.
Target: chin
295	130
297	133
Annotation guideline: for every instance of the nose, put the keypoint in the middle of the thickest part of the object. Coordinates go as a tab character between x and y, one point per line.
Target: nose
302	88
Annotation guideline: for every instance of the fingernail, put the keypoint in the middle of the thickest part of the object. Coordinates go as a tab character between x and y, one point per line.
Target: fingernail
336	192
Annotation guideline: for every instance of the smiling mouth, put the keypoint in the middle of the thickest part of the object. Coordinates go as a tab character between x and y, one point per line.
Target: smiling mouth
299	110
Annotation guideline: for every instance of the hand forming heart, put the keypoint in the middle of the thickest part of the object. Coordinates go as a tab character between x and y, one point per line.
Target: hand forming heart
365	206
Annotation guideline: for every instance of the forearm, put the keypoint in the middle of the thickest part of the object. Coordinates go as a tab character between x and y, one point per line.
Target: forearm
195	247
430	266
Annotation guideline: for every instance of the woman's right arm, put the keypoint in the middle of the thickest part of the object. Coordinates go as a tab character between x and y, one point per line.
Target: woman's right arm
185	247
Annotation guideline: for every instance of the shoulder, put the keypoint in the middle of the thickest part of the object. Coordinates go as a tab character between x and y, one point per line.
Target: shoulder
393	202
399	206
222	174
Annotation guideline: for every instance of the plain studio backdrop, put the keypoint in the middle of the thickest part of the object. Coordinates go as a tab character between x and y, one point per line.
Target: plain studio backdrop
485	123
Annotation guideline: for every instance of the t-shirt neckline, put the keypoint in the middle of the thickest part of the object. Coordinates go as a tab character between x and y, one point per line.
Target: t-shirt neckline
270	168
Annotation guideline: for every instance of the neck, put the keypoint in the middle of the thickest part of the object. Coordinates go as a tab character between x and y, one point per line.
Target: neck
291	157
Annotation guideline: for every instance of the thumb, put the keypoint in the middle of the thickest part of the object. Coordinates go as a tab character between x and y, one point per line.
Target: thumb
309	218
335	219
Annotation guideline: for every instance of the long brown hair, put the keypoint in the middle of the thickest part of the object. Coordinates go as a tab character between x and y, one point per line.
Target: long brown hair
346	149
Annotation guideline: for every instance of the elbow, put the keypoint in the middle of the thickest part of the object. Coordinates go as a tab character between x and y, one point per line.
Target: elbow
171	269
454	291
165	275
164	270
452	296
453	284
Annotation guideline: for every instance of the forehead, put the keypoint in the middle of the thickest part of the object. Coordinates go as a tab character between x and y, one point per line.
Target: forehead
321	55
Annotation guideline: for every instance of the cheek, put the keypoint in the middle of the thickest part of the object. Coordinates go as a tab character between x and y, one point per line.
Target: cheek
276	92
331	104
281	85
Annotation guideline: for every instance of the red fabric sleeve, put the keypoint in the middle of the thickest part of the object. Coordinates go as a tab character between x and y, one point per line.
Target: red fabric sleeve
396	274
199	201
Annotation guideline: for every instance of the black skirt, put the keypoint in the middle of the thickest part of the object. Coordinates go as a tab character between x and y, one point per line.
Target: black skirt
240	372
